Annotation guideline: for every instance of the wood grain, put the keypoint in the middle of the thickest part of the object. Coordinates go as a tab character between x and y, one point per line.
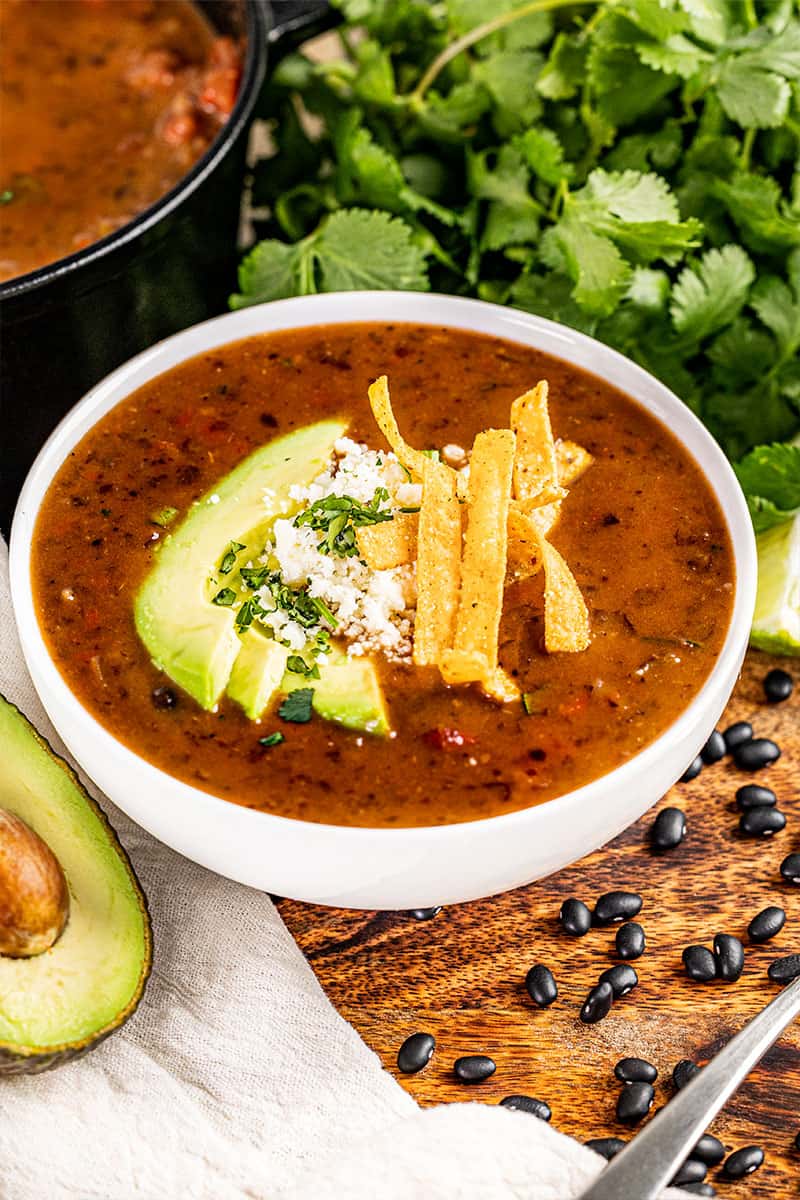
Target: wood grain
461	975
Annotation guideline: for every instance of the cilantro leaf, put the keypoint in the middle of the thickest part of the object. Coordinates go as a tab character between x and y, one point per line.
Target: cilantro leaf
272	739
708	296
757	99
360	249
770	479
273	270
296	708
778	307
755	204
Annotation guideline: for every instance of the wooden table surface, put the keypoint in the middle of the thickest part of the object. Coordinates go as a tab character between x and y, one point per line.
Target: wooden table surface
461	975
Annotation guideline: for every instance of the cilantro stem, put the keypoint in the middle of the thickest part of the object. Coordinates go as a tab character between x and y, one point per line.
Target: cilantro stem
478	34
750	14
747	146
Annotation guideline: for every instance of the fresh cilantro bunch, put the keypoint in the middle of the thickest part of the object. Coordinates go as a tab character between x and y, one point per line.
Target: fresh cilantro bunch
628	167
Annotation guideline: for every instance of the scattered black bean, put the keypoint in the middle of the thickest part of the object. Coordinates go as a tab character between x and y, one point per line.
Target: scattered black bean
608	1147
575	917
790	868
752	795
425	914
163	698
729	956
709	1150
617	906
784	970
692	1171
634	1103
474	1068
635	1070
669	829
415	1052
699	963
752	756
630	940
766	924
684	1072
762	821
541	985
736	734
597	1004
743	1162
797	1140
714	748
692	771
778	685
528	1104
623	979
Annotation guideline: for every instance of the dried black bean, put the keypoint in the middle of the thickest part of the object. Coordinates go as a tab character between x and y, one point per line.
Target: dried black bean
630	940
415	1052
692	771
784	970
692	1171
635	1070
699	963
752	756
766	924
762	821
736	734
729	956
597	1004
163	698
623	979
608	1147
617	906
778	685
714	748
709	1150
743	1162
634	1103
684	1072
474	1068
541	985
790	868
669	829
528	1104
575	917
752	795
425	914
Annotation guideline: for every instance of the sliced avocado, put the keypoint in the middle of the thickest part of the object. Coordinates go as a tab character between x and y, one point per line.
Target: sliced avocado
257	672
193	640
62	1002
348	692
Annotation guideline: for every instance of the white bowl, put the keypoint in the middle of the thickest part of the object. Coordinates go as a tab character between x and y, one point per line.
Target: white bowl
385	868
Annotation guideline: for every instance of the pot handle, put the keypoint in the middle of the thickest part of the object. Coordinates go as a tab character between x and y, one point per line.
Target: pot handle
296	20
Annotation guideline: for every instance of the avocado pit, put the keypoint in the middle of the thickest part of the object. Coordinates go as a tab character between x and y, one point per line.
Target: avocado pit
34	897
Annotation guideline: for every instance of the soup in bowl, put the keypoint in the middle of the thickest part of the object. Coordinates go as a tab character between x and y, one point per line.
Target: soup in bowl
383	599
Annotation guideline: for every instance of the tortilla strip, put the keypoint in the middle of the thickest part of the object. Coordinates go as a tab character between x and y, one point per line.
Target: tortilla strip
572	461
463	666
500	686
438	564
535	466
390	544
413	460
483	566
566	618
524	554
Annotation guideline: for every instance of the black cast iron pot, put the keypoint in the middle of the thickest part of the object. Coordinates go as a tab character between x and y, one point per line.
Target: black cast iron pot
65	326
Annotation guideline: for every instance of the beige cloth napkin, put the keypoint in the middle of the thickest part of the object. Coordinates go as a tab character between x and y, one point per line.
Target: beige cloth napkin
237	1079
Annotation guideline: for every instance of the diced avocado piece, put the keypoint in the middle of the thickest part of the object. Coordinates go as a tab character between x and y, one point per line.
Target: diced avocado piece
64	1001
193	640
257	672
348	692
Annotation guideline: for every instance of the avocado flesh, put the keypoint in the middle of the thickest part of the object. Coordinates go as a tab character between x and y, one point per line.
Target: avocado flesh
257	672
348	692
192	640
63	1001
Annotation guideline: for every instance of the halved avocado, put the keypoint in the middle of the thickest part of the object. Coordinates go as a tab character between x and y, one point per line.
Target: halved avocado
60	1003
190	638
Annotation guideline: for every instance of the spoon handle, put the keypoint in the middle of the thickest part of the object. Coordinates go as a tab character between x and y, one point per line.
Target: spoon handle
651	1159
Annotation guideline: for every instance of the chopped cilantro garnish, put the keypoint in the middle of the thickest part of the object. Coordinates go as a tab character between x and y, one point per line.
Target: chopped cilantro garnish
326	615
410	509
226	597
297	664
245	615
6	196
338	517
297	706
229	558
532	701
254	577
164	517
272	739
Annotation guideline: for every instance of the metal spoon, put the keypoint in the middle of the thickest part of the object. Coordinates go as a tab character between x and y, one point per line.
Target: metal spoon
649	1162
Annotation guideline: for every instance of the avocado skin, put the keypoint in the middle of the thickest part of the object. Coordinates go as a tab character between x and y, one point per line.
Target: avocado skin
18	1061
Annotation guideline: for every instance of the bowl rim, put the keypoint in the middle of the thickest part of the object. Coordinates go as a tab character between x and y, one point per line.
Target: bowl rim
387	307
